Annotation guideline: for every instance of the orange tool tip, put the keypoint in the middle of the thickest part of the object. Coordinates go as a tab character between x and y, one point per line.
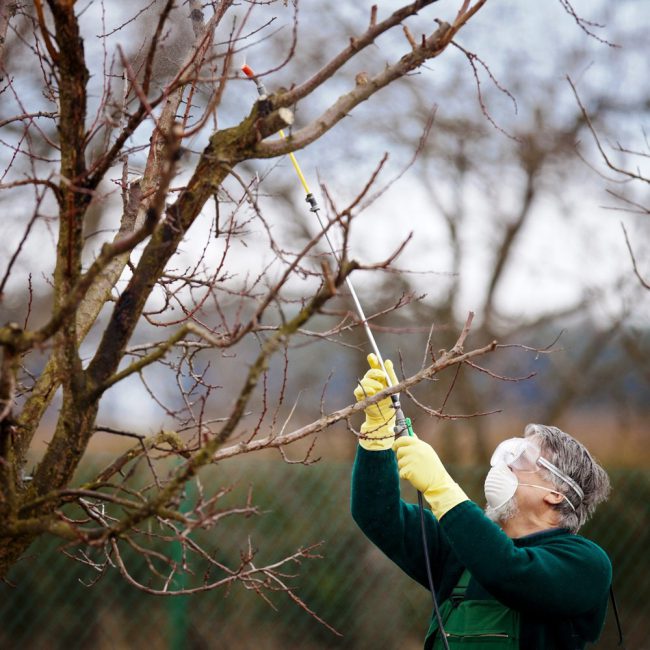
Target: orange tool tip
248	71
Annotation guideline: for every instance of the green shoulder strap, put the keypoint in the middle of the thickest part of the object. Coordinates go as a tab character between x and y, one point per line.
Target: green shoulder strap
458	592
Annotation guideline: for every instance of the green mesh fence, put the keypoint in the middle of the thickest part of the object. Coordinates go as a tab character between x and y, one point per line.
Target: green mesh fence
353	587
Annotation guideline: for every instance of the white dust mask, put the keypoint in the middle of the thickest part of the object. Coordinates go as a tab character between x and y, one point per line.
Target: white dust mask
500	485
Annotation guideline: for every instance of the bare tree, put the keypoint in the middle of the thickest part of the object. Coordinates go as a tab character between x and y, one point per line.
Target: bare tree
137	131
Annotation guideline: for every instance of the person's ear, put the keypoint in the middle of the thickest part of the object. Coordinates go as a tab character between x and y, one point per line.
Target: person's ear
553	498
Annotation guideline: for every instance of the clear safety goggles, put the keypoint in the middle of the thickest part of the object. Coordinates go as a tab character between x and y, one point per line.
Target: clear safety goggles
523	455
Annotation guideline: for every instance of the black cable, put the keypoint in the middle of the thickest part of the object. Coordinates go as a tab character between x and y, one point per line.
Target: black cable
621	641
427	561
402	426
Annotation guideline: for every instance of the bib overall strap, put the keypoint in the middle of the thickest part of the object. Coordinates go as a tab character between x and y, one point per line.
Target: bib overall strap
458	592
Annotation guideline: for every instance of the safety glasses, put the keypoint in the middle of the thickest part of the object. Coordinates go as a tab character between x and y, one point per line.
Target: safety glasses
523	455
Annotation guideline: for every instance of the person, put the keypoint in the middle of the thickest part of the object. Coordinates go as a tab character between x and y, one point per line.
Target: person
516	575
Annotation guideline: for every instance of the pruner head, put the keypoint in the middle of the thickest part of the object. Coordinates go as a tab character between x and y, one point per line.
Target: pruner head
248	71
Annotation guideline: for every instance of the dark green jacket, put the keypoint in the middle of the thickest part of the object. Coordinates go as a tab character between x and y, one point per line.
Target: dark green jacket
559	582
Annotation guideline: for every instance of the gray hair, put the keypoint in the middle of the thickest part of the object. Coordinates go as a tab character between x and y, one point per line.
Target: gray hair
572	458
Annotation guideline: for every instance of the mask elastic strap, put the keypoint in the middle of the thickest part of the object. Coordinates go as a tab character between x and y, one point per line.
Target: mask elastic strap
540	487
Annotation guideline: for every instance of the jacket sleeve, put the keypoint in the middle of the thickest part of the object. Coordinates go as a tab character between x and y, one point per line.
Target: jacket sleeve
567	576
389	522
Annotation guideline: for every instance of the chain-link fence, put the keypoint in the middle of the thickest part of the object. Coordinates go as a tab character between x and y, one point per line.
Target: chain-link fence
354	588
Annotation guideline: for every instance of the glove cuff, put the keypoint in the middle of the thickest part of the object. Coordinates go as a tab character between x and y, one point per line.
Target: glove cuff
381	436
442	500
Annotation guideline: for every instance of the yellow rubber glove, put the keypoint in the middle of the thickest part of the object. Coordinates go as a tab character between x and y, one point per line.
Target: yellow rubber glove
378	427
420	465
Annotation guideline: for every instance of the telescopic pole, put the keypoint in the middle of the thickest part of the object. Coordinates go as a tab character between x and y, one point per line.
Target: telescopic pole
402	423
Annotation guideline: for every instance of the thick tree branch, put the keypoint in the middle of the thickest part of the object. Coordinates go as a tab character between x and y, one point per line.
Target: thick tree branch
226	148
430	48
73	77
357	43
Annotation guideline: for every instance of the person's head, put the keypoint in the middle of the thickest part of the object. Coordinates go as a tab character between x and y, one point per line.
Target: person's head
547	472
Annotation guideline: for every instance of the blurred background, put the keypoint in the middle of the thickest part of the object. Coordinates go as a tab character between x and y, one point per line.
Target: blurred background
514	214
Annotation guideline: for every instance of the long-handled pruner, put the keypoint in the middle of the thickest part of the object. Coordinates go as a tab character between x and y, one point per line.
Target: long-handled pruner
402	424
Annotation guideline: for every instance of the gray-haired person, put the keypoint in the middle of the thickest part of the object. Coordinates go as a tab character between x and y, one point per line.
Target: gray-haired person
516	575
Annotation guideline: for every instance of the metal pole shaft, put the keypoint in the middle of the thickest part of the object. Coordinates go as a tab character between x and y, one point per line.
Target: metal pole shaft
355	298
315	209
